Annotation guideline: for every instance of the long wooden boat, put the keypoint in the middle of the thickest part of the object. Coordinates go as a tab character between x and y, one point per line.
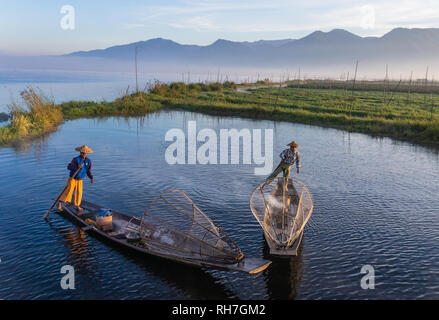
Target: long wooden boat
202	244
282	211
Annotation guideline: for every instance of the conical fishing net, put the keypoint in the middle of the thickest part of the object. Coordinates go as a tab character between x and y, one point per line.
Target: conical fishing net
282	209
172	223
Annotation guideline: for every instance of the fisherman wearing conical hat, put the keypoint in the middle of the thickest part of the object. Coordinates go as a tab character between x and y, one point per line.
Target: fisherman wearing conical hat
289	157
74	183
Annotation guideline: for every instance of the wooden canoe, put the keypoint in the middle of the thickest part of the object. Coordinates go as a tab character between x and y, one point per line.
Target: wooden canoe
125	231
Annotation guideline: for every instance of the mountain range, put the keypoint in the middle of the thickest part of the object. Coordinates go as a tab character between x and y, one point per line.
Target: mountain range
336	47
319	54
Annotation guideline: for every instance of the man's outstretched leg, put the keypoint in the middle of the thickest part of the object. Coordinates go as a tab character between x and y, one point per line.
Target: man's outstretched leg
66	196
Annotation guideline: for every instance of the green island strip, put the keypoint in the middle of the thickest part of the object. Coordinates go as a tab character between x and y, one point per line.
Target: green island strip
408	114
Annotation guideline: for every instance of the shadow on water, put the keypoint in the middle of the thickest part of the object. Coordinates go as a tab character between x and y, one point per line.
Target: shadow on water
283	275
195	282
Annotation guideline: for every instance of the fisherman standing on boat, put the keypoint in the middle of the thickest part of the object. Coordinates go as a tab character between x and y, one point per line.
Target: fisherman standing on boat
81	165
289	157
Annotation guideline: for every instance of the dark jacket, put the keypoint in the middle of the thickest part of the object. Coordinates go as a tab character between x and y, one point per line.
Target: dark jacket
85	170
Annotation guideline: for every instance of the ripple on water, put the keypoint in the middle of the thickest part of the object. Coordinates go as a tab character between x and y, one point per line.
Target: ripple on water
370	208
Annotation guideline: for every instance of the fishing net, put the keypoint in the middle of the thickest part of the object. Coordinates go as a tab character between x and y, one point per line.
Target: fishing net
282	212
172	223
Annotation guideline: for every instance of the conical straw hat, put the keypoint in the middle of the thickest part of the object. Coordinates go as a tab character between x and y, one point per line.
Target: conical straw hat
293	144
84	149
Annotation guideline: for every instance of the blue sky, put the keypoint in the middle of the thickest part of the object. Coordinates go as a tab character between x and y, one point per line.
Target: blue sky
33	27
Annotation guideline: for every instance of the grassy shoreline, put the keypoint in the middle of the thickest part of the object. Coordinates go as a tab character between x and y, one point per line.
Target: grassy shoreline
373	127
39	116
409	117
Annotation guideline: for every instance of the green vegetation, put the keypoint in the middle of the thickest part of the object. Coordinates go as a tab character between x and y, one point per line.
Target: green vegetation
139	103
39	116
386	85
128	105
411	115
395	114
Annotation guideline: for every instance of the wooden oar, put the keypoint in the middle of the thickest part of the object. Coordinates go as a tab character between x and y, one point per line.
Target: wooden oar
50	209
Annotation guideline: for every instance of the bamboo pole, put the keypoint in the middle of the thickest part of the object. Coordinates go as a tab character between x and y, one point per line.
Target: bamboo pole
408	90
425	93
135	58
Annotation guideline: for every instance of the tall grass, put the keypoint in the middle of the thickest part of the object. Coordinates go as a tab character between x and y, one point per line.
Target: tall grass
37	116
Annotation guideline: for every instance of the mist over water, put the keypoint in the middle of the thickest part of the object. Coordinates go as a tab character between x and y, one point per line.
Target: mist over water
67	85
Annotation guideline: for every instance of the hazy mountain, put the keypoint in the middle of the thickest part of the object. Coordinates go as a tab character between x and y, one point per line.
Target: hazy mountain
335	47
268	43
336	36
157	48
319	53
160	46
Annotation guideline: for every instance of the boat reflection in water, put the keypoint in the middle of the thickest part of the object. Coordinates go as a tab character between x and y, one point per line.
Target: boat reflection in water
192	283
284	274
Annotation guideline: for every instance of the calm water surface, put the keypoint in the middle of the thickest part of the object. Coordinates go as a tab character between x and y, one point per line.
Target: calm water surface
62	86
376	202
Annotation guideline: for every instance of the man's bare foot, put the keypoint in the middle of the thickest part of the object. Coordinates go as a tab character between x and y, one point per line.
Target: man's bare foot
59	206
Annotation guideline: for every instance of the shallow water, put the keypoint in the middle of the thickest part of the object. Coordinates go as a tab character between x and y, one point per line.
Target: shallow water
376	202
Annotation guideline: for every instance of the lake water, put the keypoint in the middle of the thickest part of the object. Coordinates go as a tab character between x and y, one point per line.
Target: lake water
67	86
62	86
376	203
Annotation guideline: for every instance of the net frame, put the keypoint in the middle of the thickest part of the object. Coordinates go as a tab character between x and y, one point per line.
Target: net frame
213	239
291	227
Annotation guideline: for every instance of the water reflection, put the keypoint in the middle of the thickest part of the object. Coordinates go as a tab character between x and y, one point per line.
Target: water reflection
284	274
75	241
38	145
196	283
